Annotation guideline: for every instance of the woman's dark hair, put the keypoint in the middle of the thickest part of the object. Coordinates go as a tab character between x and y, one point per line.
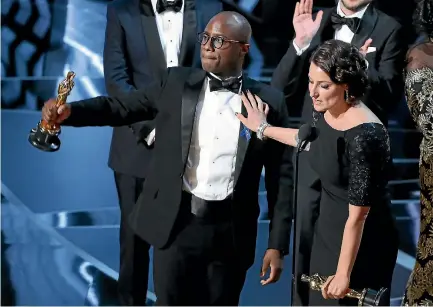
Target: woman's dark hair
345	65
423	17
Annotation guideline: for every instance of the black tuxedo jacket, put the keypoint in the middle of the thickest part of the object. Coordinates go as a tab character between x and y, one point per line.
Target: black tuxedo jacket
172	104
133	58
384	71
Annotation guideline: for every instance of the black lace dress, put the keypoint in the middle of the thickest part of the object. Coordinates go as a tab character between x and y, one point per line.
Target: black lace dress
353	167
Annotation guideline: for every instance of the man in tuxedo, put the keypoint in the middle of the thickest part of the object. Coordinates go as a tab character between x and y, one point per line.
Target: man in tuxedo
379	38
356	22
142	39
199	208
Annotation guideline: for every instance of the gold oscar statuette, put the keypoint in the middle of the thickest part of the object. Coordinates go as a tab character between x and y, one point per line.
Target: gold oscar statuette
46	135
366	297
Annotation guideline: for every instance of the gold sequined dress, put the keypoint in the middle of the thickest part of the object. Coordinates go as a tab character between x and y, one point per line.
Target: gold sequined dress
419	95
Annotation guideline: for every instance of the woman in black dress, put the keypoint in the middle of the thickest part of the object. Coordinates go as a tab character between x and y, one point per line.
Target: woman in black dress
355	241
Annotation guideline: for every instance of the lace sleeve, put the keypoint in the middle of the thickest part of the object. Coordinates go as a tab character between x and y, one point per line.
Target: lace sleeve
369	156
419	96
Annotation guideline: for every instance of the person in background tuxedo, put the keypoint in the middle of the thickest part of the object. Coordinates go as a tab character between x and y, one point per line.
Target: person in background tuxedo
378	37
352	21
142	39
199	209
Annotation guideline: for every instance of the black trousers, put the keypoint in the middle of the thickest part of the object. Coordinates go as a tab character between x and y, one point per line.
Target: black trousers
134	252
200	266
307	214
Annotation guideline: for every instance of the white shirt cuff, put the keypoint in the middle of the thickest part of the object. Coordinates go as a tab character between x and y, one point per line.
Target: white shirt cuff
300	51
150	138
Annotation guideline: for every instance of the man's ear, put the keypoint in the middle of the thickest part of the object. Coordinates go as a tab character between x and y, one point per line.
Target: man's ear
245	48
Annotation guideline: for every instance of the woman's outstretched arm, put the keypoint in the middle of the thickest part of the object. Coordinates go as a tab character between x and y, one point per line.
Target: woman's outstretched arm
256	121
283	135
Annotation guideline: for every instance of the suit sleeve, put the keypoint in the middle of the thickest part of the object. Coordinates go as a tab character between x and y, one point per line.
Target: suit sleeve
279	185
290	71
117	77
386	78
123	109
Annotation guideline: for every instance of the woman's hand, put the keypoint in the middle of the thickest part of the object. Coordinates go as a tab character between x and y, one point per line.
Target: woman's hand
257	111
335	287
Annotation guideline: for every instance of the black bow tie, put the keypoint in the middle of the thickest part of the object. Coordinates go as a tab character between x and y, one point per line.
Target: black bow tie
338	21
166	5
232	84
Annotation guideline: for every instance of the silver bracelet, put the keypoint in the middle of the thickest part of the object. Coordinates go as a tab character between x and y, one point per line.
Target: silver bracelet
261	130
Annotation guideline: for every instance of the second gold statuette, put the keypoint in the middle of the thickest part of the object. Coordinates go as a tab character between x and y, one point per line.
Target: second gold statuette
366	297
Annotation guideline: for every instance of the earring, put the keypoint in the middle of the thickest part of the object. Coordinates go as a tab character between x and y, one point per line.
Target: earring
346	96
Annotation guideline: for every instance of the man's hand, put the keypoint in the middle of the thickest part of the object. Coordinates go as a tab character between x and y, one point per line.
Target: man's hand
303	23
273	260
53	114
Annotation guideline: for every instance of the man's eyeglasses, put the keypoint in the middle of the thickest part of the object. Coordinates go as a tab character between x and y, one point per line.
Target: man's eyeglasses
216	41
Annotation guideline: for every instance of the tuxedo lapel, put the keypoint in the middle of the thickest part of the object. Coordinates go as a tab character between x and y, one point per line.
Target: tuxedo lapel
243	141
190	98
189	34
151	36
368	22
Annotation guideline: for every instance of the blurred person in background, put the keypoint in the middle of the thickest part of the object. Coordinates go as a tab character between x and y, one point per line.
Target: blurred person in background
143	38
419	95
378	36
353	21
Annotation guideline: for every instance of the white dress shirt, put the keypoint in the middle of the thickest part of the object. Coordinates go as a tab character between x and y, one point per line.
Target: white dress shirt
209	172
170	27
343	34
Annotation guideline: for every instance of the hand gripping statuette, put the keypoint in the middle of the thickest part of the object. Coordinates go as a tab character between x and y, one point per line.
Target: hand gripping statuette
46	135
366	297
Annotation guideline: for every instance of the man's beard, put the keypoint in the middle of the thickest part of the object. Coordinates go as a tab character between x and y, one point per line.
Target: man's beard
355	8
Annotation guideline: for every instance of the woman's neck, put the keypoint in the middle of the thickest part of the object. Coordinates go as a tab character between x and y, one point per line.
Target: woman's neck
339	110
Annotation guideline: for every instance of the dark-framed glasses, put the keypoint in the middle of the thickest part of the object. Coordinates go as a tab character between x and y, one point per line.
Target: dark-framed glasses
216	41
